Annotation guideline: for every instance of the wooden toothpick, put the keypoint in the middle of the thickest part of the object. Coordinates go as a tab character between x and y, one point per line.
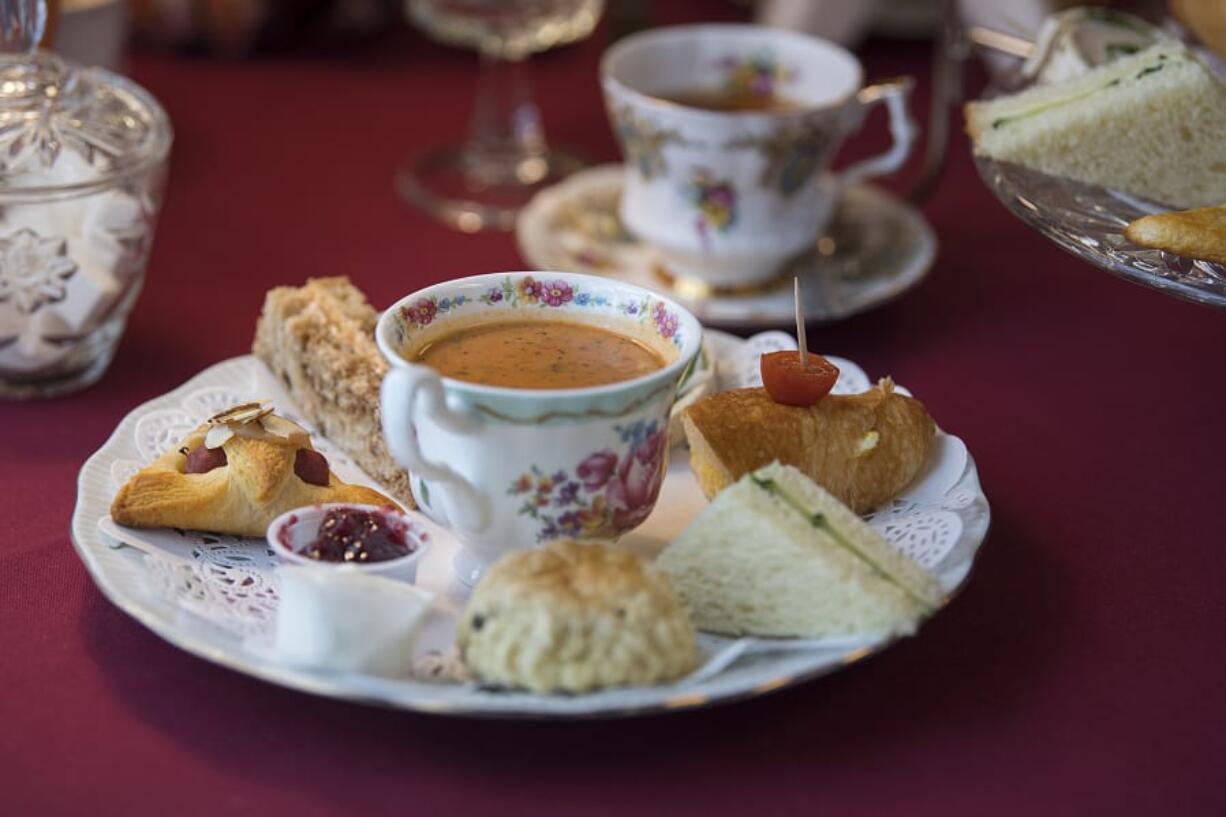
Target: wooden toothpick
800	324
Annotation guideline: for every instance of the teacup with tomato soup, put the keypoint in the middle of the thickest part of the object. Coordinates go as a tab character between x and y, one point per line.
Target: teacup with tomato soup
529	406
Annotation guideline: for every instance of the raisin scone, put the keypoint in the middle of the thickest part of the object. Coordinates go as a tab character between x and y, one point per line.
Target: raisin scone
570	617
319	339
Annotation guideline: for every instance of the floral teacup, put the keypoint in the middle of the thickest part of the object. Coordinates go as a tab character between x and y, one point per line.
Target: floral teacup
509	468
728	196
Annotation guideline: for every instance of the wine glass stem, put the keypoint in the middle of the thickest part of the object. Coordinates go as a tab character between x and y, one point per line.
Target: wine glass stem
506	142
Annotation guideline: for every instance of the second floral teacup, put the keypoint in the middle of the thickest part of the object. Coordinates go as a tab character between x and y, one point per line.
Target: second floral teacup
508	468
727	193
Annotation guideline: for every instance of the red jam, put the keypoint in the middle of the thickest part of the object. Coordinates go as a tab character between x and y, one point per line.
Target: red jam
350	535
312	467
201	459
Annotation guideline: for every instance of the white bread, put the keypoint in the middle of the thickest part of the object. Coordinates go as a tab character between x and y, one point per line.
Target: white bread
1149	124
776	555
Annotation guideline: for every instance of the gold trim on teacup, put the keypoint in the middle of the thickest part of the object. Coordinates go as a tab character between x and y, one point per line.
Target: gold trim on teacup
695	290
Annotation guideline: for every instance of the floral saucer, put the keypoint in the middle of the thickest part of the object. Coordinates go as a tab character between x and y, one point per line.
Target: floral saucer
876	248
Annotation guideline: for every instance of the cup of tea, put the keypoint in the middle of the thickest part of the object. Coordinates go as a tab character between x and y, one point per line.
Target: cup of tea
728	132
531	406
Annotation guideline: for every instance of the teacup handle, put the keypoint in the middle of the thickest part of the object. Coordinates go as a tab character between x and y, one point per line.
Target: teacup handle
398	400
894	94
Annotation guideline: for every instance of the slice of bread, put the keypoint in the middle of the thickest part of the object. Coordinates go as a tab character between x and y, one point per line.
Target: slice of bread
776	555
320	340
1199	233
1149	124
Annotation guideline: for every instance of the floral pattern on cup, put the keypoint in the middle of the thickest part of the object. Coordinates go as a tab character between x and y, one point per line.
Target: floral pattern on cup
531	292
790	155
643	142
422	312
757	74
605	495
715	200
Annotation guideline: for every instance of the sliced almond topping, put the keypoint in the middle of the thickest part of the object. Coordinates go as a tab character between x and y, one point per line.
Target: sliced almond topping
242	413
285	429
217	436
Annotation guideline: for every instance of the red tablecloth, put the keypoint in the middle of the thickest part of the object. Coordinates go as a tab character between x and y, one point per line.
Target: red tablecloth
1081	671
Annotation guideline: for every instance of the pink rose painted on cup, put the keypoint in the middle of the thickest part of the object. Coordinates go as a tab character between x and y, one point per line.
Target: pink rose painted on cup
632	492
420	313
595	471
608	494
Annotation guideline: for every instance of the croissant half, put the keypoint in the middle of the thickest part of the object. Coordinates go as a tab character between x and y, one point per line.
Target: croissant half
863	448
255	486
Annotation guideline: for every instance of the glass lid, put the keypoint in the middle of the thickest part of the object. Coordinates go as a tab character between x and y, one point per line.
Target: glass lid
64	126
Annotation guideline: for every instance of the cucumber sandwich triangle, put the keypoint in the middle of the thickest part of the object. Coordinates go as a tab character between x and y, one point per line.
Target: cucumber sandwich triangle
1150	124
774	554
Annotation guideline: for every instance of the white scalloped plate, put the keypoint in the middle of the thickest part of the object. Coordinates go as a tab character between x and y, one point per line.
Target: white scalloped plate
215	596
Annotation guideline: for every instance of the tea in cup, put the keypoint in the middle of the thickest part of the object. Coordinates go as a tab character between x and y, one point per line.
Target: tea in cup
728	132
530	406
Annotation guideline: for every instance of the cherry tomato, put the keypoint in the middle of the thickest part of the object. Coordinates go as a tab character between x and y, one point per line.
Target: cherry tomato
792	384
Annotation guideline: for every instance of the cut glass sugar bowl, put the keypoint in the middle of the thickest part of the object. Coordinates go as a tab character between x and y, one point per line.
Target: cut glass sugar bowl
83	155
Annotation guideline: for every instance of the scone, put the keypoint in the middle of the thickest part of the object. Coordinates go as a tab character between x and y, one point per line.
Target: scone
567	617
319	339
234	474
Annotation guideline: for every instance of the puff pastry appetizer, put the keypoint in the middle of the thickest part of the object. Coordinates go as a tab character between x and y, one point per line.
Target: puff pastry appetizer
234	474
1199	233
863	448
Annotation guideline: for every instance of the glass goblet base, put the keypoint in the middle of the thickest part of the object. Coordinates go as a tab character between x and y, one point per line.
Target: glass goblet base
473	193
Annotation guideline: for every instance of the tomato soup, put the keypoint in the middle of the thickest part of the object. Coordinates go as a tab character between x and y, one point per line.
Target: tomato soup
538	354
